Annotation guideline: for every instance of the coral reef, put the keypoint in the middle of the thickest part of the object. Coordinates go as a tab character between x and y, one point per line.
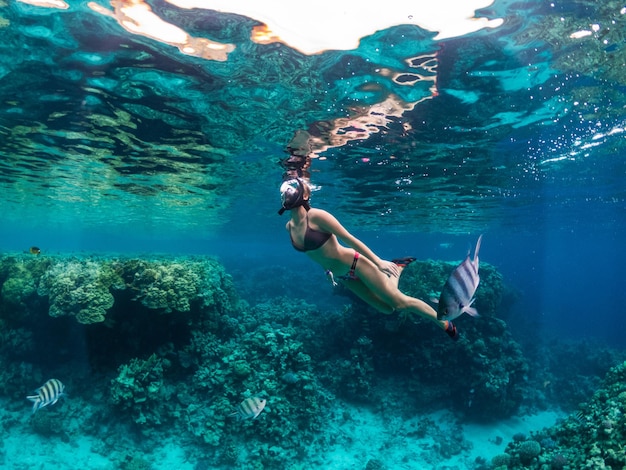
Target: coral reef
165	287
139	385
87	288
75	287
176	285
19	277
527	451
500	461
554	370
495	371
254	357
592	438
168	346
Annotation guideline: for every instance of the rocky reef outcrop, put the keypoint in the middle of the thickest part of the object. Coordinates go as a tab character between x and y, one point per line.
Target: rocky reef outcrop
87	288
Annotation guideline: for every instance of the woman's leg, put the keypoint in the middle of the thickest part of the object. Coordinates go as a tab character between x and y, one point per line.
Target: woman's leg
398	300
365	293
385	289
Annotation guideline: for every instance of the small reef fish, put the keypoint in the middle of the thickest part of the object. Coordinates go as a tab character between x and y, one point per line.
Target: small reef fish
48	394
457	295
579	416
290	378
250	408
33	250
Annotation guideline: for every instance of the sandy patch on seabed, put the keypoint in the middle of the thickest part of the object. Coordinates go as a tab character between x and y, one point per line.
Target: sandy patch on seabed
371	436
362	436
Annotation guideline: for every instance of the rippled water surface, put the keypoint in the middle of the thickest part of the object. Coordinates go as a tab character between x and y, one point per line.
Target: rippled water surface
163	119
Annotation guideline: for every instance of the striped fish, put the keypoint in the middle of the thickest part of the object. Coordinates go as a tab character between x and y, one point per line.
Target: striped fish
250	408
48	394
457	295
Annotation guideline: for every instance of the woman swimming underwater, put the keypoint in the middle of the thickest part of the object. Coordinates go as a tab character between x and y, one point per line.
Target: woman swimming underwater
317	233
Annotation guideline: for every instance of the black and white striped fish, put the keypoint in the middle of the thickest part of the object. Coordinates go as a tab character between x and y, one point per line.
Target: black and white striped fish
250	408
48	394
457	295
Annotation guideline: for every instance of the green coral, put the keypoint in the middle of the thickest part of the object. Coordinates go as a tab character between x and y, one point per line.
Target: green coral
87	288
75	287
254	356
16	293
495	371
494	364
16	289
18	281
177	285
166	286
528	450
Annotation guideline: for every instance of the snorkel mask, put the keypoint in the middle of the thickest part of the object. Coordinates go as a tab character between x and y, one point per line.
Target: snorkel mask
292	195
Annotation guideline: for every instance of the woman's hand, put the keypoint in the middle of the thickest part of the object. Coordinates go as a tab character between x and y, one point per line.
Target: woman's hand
389	268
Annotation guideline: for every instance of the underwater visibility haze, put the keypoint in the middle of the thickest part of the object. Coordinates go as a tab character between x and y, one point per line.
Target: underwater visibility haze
148	287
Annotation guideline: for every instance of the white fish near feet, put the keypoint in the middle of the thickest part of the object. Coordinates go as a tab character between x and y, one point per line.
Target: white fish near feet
457	295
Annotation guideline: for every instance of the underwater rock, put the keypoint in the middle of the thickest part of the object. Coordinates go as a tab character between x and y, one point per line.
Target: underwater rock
134	462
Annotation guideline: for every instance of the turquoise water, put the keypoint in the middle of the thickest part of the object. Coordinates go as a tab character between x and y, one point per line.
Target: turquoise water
116	142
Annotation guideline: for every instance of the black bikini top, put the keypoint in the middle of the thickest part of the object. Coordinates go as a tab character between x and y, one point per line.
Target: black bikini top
313	239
